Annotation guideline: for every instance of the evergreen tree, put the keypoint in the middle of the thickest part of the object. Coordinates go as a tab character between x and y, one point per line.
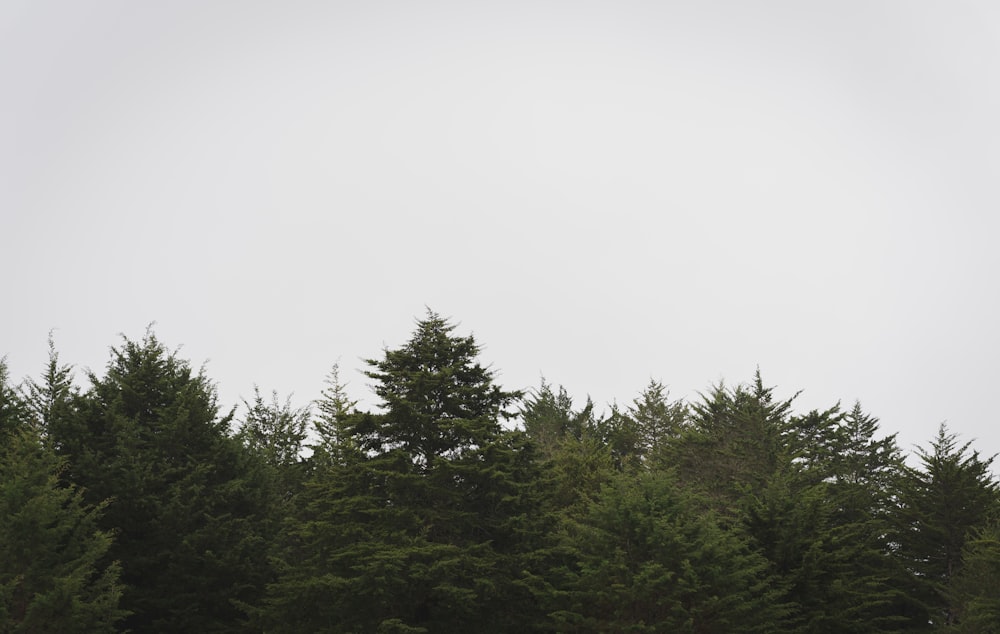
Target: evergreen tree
573	446
620	434
659	420
647	558
185	502
421	519
640	436
950	494
50	399
824	520
276	430
549	418
53	577
975	591
335	409
13	411
734	443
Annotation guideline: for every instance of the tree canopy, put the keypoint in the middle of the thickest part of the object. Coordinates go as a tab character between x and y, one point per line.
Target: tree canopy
135	502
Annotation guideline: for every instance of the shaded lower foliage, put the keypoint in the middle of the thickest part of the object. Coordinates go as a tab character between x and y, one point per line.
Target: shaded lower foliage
644	557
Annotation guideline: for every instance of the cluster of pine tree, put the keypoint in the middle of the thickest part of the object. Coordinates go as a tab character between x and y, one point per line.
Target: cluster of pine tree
136	504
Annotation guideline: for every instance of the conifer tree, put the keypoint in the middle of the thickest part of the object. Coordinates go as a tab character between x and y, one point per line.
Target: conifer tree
50	398
645	557
573	446
641	435
420	519
733	444
951	494
13	411
659	420
53	572
334	410
184	502
274	430
824	522
549	417
975	591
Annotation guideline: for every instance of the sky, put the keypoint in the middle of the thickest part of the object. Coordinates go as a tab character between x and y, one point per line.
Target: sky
603	193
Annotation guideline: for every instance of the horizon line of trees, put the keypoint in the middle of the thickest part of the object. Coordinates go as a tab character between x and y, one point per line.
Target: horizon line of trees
137	504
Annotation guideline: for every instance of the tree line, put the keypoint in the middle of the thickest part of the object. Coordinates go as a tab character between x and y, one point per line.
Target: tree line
136	503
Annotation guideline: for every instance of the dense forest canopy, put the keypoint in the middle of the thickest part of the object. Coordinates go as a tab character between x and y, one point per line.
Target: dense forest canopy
135	502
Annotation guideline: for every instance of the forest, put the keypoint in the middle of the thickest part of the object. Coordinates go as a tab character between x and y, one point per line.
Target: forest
131	500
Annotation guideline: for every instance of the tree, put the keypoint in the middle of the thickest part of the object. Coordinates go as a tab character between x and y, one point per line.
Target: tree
660	421
184	502
12	407
640	436
53	571
951	494
421	519
275	431
824	521
733	444
572	446
335	409
975	591
549	418
50	399
646	558
439	401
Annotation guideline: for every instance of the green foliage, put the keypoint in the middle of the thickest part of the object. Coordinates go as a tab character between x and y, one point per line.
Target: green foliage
439	400
274	431
147	436
133	506
975	591
335	408
549	418
659	421
572	444
824	520
640	436
951	494
645	558
53	572
50	399
420	518
13	411
733	444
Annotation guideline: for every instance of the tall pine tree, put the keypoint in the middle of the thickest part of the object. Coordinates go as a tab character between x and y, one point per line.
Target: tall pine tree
184	504
948	496
421	518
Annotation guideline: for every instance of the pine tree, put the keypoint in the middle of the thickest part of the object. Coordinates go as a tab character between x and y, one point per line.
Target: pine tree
549	418
733	444
13	411
335	408
950	494
659	420
53	572
975	591
420	519
641	435
184	501
824	522
275	431
573	445
646	558
50	399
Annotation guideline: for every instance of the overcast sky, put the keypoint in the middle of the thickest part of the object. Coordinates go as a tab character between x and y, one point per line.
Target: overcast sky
602	192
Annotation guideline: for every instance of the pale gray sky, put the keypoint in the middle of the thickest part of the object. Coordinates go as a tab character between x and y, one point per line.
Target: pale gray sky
603	192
